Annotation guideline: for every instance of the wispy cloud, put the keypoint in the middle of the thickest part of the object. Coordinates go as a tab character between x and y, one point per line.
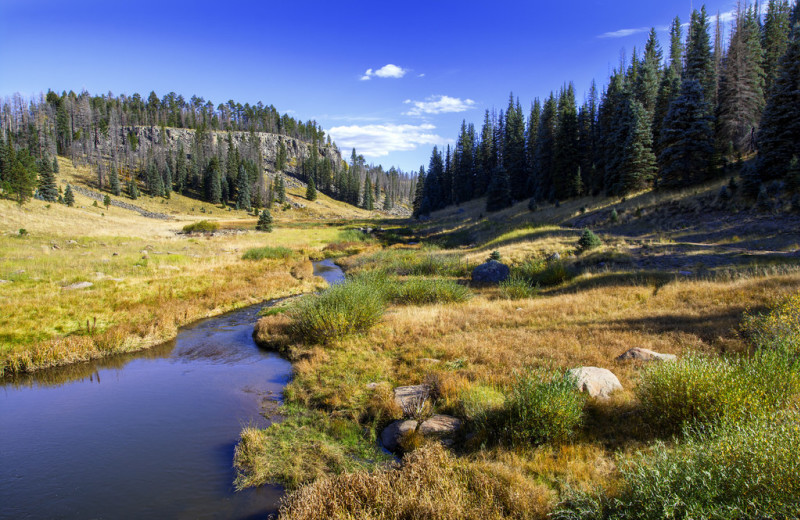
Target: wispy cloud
380	140
387	71
438	105
622	33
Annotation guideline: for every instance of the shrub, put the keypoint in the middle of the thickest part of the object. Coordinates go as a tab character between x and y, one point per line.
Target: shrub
698	389
614	216
422	291
542	408
589	240
495	256
339	311
517	287
23	232
267	252
203	226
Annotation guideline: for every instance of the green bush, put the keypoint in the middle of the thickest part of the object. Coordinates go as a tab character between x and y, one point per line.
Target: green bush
544	273
589	240
422	291
339	311
699	389
517	287
479	404
542	408
203	226
272	253
412	262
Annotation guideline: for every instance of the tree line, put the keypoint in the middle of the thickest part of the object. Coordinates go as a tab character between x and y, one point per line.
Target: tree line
664	123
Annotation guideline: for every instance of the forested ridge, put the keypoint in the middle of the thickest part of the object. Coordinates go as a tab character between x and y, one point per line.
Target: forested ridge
664	123
230	154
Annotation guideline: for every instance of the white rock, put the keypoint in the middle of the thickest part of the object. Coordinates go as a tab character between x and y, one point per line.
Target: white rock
597	382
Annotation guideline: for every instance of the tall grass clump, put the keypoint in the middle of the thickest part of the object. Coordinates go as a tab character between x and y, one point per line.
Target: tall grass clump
699	389
426	291
545	272
342	310
778	330
517	287
733	470
267	252
203	226
541	408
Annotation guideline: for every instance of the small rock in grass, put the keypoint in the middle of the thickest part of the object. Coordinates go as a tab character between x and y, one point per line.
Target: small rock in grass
643	354
78	285
408	396
442	427
597	382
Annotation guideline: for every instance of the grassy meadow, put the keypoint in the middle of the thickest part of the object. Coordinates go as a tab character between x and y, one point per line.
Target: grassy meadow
147	278
495	357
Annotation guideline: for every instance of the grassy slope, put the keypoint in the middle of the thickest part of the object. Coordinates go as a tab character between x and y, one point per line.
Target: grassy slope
620	299
148	279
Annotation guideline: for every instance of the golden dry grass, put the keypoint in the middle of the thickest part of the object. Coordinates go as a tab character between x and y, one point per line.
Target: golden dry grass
148	279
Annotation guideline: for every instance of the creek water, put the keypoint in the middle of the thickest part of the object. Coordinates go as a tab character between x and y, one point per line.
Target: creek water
147	435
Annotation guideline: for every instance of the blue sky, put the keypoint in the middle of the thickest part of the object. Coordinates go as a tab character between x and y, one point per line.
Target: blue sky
390	78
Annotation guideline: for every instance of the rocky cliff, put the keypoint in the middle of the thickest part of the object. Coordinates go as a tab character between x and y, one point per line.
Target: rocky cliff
170	138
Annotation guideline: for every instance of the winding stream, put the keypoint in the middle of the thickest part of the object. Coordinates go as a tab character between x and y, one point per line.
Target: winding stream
145	435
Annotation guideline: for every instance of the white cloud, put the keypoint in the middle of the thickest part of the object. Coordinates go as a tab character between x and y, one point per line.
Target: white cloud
438	105
380	140
387	71
622	33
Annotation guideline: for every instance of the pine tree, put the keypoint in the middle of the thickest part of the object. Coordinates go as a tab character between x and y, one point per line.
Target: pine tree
181	172
69	197
638	165
133	190
775	38
464	164
741	94
280	160
484	157
48	191
531	133
670	84
115	187
499	194
55	164
779	135
514	147
243	195
264	221
21	177
566	159
647	85
432	199
167	181
211	182
369	202
699	61
419	191
311	189
280	189
106	201
686	138
542	180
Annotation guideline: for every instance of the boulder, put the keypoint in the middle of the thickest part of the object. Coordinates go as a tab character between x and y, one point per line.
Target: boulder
441	427
643	354
491	272
409	396
5	281
597	382
78	285
554	257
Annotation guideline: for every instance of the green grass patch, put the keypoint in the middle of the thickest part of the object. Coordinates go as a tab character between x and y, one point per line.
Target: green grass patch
203	226
267	252
306	446
426	291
